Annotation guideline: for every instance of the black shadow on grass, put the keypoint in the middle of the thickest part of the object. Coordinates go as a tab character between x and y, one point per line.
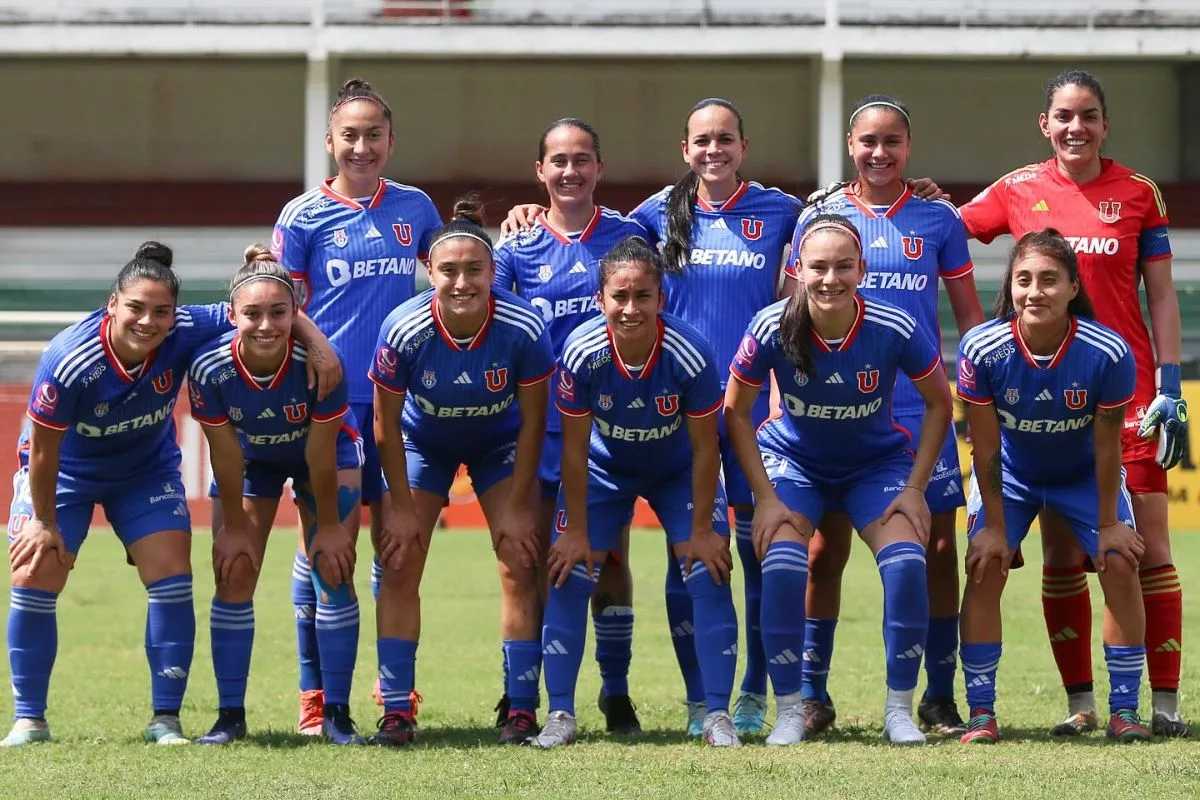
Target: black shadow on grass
867	735
465	738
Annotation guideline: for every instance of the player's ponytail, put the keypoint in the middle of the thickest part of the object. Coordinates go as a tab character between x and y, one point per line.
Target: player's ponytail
151	262
795	331
466	219
259	265
1050	243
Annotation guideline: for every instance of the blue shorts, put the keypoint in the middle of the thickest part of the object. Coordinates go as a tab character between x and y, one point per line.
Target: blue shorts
945	491
610	507
863	494
266	478
372	473
1078	503
432	470
550	467
135	508
737	488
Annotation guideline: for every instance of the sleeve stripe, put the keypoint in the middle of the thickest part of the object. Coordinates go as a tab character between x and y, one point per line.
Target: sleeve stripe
937	362
1124	402
1158	198
572	412
385	387
1155	259
959	272
212	422
706	412
536	381
330	417
40	420
740	378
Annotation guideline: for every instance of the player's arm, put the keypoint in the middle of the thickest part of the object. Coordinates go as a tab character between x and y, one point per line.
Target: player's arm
1163	305
532	402
964	302
706	469
232	540
331	540
324	367
1167	416
1115	536
939	410
572	545
40	535
400	521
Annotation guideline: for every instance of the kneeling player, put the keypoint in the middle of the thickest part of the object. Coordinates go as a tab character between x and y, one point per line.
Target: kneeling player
1046	389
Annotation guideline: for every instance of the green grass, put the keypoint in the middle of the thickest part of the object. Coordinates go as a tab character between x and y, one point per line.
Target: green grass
99	704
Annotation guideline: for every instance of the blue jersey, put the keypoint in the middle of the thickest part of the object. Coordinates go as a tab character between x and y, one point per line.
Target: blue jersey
460	395
1046	406
733	268
638	427
271	417
559	273
907	247
117	424
838	418
355	262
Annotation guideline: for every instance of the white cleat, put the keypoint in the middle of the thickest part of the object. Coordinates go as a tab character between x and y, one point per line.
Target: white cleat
718	730
560	729
165	729
789	721
899	728
27	731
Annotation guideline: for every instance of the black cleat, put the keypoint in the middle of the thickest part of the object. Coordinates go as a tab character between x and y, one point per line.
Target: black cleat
940	715
620	714
519	728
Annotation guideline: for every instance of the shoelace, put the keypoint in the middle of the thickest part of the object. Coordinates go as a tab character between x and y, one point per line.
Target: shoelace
980	722
522	723
393	720
1129	717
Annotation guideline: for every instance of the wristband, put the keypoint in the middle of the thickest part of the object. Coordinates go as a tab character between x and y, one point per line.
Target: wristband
1168	378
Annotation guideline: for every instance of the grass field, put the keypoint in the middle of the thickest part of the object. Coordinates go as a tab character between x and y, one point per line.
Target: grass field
99	705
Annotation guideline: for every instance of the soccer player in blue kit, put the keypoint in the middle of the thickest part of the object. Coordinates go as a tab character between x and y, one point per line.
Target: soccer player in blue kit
835	447
910	243
639	395
353	245
1046	389
461	376
263	425
102	432
555	266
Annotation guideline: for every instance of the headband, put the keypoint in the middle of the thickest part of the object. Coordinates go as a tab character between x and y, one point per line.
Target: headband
376	100
827	226
884	103
455	234
262	277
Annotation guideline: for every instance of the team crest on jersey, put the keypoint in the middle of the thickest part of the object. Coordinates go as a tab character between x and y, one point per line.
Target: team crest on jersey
340	238
746	351
966	373
1011	396
1110	211
1076	398
194	396
46	399
801	378
752	229
386	361
296	412
668	404
100	410
403	232
235	413
496	379
605	402
545	273
566	386
914	247
163	382
868	380
429	379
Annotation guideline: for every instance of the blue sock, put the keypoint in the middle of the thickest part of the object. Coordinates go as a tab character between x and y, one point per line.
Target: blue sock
32	646
170	640
785	579
231	626
979	663
818	656
941	651
337	639
524	659
754	679
1124	675
504	667
397	672
614	647
683	631
716	635
564	633
376	577
304	603
905	611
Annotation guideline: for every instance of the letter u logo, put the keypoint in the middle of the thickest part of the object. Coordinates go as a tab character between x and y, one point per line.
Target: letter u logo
667	404
403	233
163	382
1076	398
914	246
296	413
496	379
752	229
868	380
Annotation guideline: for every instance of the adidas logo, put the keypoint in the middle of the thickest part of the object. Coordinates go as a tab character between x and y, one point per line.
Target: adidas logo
979	680
1065	635
530	674
834	378
811	657
386	674
373	232
1169	646
1041	205
636	402
949	660
786	657
1044	394
683	629
554	648
266	414
880	242
719	225
1120	689
730	651
578	269
175	673
913	652
463	379
951	488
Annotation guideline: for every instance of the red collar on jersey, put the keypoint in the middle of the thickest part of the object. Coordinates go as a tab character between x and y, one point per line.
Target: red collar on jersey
248	376
1058	354
870	212
327	190
860	308
561	236
111	353
728	204
651	360
448	337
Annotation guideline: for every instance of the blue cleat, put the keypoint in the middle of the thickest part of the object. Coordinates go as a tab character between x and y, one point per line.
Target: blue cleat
229	727
749	714
165	729
696	711
338	728
27	731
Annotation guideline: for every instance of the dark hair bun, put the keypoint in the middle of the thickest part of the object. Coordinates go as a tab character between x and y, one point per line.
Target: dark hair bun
469	209
257	252
355	86
155	251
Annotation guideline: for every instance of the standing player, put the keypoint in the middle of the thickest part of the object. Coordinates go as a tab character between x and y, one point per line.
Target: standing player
911	244
1046	390
263	427
1117	223
641	377
102	433
352	245
555	266
835	357
460	374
